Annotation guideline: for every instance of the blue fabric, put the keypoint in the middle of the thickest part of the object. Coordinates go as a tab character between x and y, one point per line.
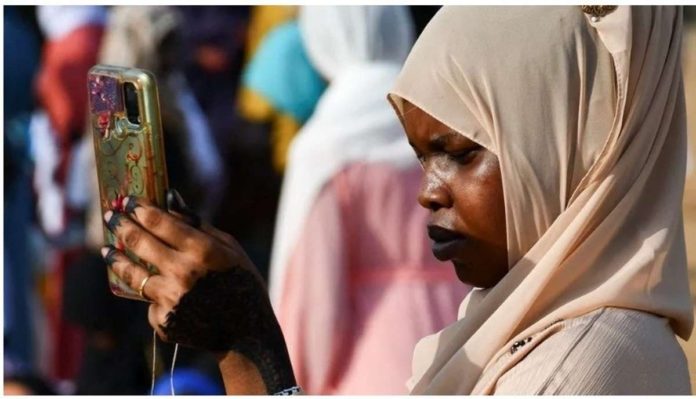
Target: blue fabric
21	62
18	207
281	72
188	381
21	54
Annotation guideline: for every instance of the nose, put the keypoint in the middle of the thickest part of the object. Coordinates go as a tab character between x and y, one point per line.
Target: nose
433	193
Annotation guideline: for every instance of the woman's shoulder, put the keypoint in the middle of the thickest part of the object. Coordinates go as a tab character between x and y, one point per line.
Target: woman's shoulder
607	351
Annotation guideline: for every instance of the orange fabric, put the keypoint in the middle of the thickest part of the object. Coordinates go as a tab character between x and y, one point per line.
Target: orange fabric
62	80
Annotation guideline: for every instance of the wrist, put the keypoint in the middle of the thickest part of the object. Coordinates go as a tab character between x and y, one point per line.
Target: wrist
229	314
240	375
256	366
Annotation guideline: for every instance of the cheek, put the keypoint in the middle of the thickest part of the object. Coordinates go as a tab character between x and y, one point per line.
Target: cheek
479	200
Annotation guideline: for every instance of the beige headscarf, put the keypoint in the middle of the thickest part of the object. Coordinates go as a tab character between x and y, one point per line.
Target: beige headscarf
587	119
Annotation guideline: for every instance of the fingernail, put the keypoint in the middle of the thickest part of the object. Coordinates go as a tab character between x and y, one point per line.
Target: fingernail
176	203
117	203
109	254
129	205
112	219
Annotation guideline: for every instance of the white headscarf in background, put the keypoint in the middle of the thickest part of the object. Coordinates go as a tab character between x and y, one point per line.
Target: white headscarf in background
58	21
359	50
587	119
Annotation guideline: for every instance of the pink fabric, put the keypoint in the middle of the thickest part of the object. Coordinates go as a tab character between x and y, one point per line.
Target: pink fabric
363	286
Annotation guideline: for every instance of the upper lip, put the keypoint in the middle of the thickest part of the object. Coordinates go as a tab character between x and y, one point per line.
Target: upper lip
442	234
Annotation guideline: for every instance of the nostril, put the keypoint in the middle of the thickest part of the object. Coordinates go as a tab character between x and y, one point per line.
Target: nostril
434	206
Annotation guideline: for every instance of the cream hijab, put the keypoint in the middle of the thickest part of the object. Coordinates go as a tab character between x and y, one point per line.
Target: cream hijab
587	119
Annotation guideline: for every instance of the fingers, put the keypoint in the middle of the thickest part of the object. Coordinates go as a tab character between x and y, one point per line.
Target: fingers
176	204
156	316
132	274
166	227
140	242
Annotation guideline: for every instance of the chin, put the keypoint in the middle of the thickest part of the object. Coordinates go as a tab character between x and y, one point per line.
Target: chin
475	277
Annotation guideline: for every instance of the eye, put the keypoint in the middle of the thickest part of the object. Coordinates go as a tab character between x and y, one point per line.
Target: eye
465	156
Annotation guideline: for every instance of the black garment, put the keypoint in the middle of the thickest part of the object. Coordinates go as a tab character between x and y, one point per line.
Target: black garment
421	16
117	333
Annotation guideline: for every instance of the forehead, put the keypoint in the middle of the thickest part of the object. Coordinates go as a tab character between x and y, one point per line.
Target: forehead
415	117
421	125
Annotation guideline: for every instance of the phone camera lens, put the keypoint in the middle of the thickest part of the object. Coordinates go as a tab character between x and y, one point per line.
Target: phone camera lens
132	108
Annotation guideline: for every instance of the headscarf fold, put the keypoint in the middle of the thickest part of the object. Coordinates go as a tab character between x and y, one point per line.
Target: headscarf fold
587	118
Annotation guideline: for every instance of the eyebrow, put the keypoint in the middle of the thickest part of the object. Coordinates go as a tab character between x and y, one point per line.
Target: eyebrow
441	139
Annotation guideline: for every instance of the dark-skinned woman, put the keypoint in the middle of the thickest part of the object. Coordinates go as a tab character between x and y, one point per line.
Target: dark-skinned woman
552	144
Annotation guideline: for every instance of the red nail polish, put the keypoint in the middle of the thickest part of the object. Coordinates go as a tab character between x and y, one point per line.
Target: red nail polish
117	203
119	245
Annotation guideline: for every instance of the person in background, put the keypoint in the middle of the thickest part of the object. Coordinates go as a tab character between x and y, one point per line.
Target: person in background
96	354
72	39
150	37
262	20
21	379
217	42
114	357
214	40
21	52
280	86
353	281
147	37
562	206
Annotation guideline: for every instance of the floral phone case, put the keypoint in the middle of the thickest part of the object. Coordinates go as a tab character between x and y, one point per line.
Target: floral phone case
128	145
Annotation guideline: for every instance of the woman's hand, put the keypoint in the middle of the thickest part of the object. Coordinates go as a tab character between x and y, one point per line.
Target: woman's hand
207	294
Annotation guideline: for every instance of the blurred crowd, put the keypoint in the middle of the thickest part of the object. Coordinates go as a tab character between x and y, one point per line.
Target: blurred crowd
236	84
277	131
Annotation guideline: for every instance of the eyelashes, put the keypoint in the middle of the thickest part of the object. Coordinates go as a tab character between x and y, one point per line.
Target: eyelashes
466	156
461	156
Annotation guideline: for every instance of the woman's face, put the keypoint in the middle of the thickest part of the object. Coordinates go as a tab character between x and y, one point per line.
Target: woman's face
463	191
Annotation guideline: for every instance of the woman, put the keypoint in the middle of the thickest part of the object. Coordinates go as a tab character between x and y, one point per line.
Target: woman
552	142
353	296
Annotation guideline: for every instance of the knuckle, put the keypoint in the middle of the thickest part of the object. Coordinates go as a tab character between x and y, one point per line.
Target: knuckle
151	218
131	237
172	297
117	268
192	243
127	275
191	276
205	252
186	277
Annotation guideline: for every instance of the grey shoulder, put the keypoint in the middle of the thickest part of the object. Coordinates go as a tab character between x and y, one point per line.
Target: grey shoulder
608	351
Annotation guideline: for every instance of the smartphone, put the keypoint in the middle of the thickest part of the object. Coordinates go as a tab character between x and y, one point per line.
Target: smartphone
128	145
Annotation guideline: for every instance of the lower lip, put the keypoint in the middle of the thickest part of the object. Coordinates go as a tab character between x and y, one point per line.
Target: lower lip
446	250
